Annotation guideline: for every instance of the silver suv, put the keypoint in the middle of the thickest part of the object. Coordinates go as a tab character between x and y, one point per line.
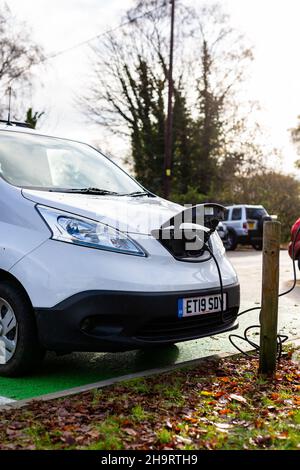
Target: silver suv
245	225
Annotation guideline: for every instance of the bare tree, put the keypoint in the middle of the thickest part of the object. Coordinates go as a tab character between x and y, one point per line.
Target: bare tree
128	92
18	52
295	134
111	100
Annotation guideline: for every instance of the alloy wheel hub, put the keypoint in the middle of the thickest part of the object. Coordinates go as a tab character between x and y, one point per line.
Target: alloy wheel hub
8	331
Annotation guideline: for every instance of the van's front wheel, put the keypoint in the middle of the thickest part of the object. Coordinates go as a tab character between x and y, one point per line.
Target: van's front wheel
19	347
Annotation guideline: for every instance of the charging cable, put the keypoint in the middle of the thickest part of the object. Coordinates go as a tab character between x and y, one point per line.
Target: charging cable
220	280
280	338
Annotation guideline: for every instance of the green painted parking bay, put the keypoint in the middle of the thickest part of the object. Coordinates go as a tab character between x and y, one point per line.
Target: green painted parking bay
73	370
61	373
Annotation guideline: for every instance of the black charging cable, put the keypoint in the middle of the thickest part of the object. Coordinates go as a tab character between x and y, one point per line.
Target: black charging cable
281	339
220	280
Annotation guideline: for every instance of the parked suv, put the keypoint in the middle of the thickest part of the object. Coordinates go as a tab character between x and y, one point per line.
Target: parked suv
245	225
82	267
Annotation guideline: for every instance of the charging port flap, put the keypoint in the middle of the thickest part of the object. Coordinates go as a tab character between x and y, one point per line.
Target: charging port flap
187	234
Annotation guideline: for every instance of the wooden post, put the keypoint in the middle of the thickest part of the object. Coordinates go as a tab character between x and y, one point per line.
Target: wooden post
270	286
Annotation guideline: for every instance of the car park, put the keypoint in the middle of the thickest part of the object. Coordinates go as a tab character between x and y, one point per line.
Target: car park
245	225
81	267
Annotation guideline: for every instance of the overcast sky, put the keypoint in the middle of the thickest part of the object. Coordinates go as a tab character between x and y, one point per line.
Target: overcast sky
271	25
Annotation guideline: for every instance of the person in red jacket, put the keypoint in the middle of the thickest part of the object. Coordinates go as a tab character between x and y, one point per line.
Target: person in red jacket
295	235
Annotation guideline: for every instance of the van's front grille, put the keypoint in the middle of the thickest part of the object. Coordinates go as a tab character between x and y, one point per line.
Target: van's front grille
173	328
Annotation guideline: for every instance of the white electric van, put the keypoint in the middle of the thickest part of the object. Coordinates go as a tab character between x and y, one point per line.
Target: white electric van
81	265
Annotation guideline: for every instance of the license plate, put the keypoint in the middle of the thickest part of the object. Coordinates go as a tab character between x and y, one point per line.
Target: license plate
251	225
191	306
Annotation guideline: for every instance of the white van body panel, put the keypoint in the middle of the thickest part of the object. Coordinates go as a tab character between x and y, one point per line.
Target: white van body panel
140	215
21	228
80	269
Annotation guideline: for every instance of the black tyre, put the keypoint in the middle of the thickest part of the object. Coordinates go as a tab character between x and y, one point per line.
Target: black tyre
231	242
20	350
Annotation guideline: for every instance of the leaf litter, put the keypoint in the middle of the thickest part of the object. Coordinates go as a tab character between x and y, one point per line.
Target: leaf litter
221	405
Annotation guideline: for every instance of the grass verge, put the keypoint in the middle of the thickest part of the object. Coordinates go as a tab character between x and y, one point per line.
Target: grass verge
223	404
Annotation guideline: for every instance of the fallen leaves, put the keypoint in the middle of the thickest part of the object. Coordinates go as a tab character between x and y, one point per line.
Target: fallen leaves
223	426
206	393
224	379
130	431
283	435
198	408
168	424
261	441
274	396
68	438
191	419
184	440
238	398
225	411
296	400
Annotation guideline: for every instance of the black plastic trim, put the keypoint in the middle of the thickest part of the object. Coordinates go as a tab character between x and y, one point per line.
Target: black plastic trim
111	320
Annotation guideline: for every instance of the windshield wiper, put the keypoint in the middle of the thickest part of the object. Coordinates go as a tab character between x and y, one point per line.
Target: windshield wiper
138	194
101	192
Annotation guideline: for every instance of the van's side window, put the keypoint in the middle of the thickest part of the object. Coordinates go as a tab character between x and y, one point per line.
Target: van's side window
236	214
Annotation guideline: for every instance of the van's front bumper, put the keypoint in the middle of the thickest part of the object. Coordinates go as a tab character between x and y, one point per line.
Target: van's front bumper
119	321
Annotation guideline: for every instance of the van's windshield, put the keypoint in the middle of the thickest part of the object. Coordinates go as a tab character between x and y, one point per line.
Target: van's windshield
38	162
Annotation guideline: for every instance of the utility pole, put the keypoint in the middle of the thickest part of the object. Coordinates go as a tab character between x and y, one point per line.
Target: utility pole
9	105
169	121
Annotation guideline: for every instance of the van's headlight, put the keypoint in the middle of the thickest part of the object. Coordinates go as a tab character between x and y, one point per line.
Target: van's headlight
78	230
